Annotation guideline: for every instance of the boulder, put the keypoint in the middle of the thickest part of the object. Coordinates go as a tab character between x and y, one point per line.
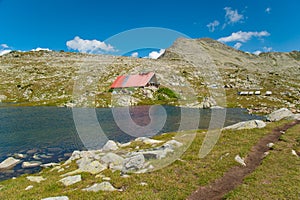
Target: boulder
9	163
110	146
57	198
31	164
133	163
90	165
279	114
70	180
49	165
36	179
113	160
246	125
104	186
296	117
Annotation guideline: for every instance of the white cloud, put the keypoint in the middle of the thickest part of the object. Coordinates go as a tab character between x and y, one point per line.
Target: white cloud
89	46
6	51
232	16
243	36
212	26
40	49
257	52
268	10
4	46
155	54
267	49
238	45
135	54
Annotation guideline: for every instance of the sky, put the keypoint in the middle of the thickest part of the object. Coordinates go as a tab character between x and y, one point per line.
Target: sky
88	25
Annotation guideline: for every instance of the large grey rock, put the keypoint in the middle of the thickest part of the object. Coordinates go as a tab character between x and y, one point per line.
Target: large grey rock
133	163
279	114
104	186
9	163
90	165
110	146
113	160
31	164
70	180
247	125
296	117
36	179
57	198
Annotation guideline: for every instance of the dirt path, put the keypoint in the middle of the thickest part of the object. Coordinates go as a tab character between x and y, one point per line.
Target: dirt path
235	175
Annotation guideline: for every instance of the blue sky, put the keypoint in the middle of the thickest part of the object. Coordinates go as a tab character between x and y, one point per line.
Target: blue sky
85	25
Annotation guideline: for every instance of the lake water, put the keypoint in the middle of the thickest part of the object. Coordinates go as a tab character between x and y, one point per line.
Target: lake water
48	134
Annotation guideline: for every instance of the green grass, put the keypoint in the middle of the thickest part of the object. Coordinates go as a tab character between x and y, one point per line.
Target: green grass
176	181
279	175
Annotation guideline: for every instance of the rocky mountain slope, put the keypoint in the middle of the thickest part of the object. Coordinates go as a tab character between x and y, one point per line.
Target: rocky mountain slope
193	69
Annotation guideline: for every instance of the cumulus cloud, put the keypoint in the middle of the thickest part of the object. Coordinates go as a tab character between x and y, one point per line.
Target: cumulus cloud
241	36
267	49
155	54
40	49
238	45
5	51
257	52
135	54
268	10
4	46
212	26
232	16
89	46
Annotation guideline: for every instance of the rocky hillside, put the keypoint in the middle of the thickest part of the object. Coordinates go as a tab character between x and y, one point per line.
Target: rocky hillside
195	70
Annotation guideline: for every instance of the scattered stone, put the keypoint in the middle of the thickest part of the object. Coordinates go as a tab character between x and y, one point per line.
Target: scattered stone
279	114
110	146
49	165
146	140
125	176
266	153
19	156
294	153
133	163
270	145
246	125
172	144
240	160
106	178
143	184
57	198
124	144
9	163
36	179
31	164
29	187
36	157
104	186
70	180
32	151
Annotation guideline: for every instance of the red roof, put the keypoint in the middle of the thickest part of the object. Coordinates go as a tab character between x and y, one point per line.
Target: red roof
139	80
